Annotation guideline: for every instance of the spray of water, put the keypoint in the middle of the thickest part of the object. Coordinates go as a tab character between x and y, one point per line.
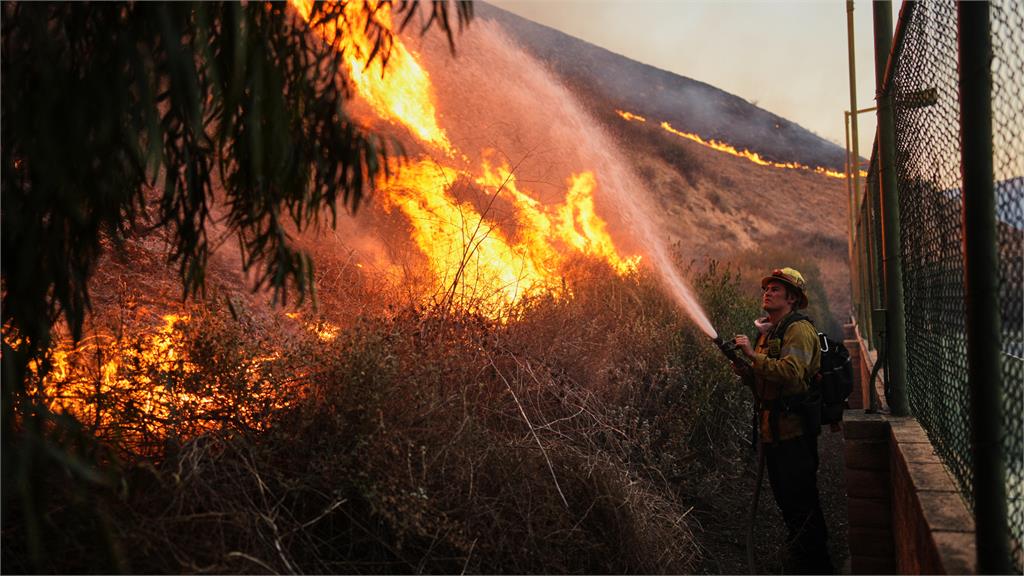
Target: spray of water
678	288
639	213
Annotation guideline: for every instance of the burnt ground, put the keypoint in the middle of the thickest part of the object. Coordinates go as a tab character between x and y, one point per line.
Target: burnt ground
724	517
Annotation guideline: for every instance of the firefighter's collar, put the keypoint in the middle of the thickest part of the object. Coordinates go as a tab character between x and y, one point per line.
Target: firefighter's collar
763	325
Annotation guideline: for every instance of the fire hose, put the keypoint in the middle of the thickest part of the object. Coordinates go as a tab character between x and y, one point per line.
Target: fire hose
735	355
751	565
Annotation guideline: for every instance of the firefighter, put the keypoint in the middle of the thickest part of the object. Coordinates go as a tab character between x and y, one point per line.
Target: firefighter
781	365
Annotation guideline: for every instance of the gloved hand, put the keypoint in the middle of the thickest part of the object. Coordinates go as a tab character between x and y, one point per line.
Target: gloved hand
743	343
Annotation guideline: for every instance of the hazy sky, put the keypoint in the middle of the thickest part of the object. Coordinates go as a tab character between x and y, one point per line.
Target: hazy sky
787	57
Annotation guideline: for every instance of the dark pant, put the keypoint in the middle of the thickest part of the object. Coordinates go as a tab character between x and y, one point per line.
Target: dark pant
793	474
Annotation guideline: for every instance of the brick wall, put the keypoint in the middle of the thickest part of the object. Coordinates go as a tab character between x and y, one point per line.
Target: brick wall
868	493
905	513
935	530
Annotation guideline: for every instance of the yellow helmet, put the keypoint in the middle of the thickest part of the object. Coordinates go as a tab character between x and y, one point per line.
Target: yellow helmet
792	278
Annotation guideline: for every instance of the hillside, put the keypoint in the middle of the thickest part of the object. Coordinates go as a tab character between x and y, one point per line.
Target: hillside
601	77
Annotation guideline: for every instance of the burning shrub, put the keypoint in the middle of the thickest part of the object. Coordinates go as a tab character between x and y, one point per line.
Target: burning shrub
138	389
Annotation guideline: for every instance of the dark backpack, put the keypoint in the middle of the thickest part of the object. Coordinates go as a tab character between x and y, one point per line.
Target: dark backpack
832	385
834	379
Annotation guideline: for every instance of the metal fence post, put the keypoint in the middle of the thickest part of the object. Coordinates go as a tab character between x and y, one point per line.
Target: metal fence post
981	287
896	330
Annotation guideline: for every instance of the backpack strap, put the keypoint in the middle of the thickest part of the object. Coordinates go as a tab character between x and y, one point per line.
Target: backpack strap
779	405
793	318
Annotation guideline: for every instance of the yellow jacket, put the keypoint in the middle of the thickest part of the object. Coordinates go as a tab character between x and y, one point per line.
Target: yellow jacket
783	364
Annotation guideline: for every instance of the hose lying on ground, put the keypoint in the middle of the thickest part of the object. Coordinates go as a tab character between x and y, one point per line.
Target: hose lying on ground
751	565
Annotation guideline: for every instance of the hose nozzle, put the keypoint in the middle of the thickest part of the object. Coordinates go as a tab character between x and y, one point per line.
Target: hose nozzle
734	354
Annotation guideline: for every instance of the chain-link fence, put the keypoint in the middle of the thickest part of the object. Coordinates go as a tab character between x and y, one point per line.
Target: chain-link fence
1008	165
924	84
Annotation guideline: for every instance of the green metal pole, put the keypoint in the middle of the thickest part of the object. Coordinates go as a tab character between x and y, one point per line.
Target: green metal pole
896	330
865	270
981	287
870	252
870	215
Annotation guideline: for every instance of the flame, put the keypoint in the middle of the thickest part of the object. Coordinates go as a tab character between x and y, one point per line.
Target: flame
573	224
467	247
480	260
468	255
134	391
476	257
72	388
324	330
400	95
729	149
630	116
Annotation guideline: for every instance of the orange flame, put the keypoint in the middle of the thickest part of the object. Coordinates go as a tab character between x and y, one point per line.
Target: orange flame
324	330
136	393
574	223
468	255
470	251
630	116
467	248
729	149
66	390
400	95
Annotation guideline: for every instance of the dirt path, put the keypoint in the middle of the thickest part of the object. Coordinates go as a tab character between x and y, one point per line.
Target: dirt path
724	518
